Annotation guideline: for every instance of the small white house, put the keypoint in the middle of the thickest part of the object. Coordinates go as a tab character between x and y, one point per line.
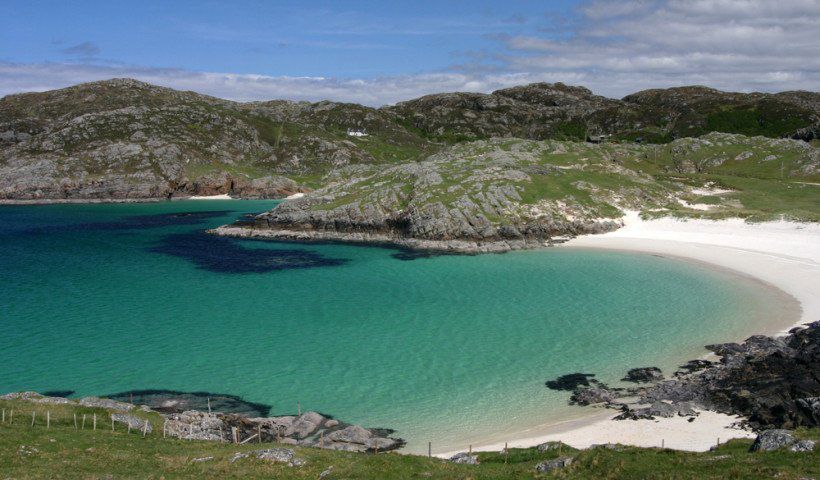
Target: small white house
356	133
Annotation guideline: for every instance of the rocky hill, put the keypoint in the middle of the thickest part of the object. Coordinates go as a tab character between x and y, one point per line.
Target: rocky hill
503	194
127	139
124	139
543	110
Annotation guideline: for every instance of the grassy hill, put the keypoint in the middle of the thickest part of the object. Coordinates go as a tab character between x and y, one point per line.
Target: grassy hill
509	193
127	139
61	451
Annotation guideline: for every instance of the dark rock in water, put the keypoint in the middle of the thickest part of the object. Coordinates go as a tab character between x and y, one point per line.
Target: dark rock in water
571	381
227	255
693	366
593	395
172	401
643	375
464	458
58	393
554	464
770	440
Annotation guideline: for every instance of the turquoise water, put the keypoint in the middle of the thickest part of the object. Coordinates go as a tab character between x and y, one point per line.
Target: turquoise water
450	349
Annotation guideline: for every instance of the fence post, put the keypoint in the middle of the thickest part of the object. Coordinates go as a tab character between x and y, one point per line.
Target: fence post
234	435
32	418
82	425
4	415
11	416
259	432
145	428
95	422
506	452
48	419
75	421
112	423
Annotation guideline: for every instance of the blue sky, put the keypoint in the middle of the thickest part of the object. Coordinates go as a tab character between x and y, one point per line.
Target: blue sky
380	52
339	39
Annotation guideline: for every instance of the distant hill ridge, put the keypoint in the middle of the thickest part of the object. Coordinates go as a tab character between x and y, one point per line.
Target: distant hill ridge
126	139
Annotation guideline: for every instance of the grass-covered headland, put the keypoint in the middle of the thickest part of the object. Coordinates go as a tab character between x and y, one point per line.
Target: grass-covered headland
31	449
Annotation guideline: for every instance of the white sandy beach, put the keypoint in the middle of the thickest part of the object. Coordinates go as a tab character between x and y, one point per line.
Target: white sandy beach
224	196
785	255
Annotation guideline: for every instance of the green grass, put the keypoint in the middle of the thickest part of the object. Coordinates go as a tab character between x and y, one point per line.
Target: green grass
754	121
63	452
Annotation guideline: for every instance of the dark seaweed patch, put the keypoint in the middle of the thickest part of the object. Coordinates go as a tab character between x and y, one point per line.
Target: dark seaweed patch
58	393
173	401
227	255
135	222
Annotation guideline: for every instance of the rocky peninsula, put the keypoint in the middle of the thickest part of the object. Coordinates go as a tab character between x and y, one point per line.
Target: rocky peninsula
507	194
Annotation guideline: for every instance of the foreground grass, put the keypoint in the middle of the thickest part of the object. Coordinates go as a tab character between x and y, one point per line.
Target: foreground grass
63	452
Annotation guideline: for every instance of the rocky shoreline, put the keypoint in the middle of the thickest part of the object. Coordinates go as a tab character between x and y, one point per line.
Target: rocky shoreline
384	239
308	429
773	382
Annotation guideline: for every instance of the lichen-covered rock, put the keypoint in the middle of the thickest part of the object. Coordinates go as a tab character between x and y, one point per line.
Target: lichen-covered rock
556	463
802	446
105	403
133	422
549	446
464	458
770	440
276	455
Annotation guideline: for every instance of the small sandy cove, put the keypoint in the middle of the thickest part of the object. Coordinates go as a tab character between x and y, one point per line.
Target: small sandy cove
785	255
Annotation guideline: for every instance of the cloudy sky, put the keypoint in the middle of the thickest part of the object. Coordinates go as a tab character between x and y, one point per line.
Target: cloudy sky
378	52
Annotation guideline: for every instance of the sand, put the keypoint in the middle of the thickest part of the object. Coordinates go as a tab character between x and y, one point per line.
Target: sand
784	255
224	196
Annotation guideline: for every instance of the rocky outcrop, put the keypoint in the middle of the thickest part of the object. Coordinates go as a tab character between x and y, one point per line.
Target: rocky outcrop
774	382
105	403
464	458
555	464
133	422
771	440
276	455
310	429
643	375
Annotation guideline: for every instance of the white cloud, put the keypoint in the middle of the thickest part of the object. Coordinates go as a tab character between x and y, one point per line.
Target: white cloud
614	48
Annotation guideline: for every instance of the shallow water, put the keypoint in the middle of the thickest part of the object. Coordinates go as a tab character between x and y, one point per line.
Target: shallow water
450	349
